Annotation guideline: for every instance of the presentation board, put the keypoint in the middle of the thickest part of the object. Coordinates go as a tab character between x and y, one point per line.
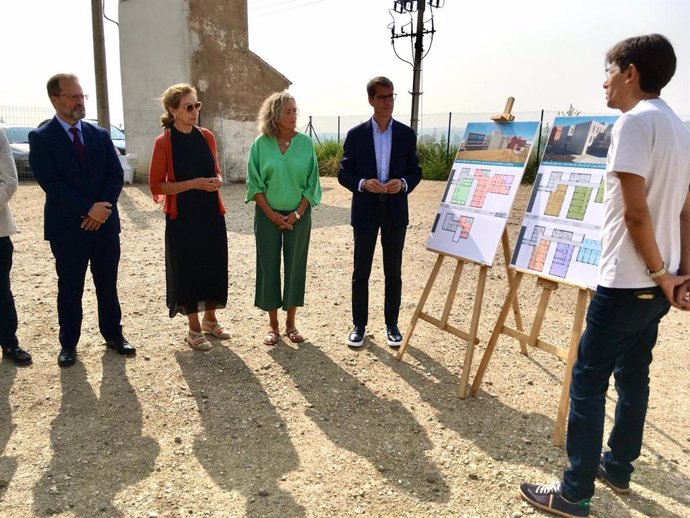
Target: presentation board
559	237
481	189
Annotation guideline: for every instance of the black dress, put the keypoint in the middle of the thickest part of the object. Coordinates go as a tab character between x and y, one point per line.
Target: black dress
196	243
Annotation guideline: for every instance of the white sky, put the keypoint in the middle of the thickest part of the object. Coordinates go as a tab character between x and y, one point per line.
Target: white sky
546	53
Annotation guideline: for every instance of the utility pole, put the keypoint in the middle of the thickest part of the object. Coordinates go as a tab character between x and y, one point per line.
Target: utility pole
100	69
417	67
416	31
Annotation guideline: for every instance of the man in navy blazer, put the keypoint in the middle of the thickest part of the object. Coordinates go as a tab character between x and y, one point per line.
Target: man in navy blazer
77	166
381	169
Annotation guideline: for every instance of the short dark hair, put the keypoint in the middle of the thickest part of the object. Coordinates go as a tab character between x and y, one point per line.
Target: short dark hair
378	80
652	55
53	85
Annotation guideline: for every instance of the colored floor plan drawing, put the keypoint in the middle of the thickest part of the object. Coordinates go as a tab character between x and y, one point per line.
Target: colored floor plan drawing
460	227
483	183
564	247
580	186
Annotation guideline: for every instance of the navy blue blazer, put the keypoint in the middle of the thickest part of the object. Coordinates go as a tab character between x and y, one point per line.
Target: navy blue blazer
359	162
73	185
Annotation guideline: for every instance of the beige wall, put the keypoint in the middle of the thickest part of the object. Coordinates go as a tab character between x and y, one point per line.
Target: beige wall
205	43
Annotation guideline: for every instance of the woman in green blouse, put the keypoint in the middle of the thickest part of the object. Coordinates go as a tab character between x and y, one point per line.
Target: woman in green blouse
283	180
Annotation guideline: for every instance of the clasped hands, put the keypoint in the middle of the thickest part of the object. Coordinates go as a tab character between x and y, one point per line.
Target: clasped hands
392	186
283	222
98	214
677	290
209	184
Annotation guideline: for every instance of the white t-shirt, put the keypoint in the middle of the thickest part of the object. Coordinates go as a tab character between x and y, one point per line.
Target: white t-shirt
650	141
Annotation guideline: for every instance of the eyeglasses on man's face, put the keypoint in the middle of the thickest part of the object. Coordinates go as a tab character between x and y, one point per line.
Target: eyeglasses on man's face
76	97
190	107
384	98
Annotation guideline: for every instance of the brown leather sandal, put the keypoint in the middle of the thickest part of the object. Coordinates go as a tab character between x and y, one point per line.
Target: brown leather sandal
271	338
294	336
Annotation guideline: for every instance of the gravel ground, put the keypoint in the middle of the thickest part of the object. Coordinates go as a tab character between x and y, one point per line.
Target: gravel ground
314	430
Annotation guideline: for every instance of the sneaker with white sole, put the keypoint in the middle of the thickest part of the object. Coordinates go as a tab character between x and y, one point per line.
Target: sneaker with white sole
356	336
550	499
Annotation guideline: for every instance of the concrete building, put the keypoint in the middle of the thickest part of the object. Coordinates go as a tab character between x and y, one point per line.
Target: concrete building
204	43
576	139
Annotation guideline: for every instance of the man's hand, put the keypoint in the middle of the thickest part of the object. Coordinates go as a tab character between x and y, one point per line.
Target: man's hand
682	296
373	185
207	184
89	224
100	212
672	285
393	186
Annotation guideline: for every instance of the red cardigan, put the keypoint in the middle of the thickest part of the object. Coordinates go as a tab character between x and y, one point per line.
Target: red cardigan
161	170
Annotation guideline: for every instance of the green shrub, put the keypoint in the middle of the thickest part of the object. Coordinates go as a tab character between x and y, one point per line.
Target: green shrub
434	161
329	155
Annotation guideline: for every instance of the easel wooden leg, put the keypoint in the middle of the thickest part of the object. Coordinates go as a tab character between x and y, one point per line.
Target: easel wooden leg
511	275
420	306
451	294
496	333
474	326
548	288
559	430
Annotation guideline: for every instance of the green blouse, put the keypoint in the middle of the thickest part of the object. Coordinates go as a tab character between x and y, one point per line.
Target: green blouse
283	178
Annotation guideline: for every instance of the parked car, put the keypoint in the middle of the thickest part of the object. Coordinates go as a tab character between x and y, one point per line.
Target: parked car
116	134
19	142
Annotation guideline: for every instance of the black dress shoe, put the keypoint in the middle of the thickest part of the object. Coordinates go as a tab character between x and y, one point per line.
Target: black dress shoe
356	336
67	357
16	355
121	346
393	336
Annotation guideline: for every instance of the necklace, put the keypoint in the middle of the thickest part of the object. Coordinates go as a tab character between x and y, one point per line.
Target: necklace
284	143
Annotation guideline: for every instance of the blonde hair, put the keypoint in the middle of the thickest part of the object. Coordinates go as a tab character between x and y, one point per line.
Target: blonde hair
272	110
171	99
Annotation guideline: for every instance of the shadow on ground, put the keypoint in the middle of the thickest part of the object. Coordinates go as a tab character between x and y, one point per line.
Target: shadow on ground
245	446
97	442
8	465
352	417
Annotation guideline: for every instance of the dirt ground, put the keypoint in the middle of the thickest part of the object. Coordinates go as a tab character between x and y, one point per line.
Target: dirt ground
315	430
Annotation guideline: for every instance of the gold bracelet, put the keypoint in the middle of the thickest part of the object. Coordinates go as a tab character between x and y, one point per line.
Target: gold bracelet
656	275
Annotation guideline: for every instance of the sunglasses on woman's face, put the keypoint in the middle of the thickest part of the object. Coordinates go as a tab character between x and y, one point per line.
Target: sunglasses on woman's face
192	106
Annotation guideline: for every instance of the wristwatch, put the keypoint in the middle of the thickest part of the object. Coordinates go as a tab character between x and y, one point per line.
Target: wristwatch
297	216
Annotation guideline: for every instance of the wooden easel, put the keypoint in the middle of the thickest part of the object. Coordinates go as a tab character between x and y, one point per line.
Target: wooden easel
532	339
469	336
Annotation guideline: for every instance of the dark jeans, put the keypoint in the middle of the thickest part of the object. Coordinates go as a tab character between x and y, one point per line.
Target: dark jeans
622	326
102	252
8	313
392	243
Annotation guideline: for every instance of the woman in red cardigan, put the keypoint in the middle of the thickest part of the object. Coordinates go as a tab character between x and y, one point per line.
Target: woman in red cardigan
184	172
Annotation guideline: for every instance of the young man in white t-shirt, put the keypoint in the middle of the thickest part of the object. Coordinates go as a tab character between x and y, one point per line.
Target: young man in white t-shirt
643	272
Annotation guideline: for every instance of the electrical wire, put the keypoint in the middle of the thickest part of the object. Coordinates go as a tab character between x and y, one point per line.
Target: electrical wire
106	16
261	15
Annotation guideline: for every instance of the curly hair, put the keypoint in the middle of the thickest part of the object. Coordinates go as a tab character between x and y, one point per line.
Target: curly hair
171	99
272	110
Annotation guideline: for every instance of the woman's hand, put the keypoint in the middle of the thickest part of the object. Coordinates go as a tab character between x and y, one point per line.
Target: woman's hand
207	184
280	221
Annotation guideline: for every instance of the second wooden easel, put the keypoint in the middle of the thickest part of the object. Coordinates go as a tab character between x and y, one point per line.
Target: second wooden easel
532	339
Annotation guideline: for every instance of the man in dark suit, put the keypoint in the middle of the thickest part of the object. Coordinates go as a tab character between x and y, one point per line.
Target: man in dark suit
381	169
76	165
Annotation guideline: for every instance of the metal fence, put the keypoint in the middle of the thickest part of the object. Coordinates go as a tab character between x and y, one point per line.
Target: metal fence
447	126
